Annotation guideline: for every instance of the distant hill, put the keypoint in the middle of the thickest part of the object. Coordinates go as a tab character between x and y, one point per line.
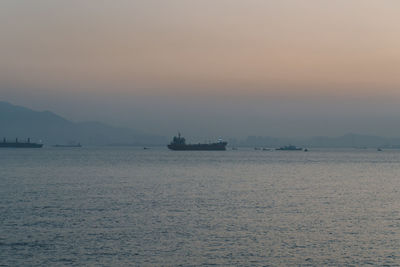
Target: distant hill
20	122
50	128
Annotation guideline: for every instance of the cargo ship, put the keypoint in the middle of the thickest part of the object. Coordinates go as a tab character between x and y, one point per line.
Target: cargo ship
179	143
17	144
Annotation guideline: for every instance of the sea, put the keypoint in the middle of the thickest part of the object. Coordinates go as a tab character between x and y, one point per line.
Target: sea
126	206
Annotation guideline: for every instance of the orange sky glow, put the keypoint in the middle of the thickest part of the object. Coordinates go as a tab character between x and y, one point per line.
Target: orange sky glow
238	47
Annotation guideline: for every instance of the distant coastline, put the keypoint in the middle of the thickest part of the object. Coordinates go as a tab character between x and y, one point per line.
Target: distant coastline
19	122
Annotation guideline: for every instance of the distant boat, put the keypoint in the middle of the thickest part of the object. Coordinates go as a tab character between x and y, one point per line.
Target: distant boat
290	148
179	143
69	145
379	149
266	149
17	144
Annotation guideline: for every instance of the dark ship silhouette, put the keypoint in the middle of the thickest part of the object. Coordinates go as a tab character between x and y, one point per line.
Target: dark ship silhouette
290	148
18	144
179	143
69	145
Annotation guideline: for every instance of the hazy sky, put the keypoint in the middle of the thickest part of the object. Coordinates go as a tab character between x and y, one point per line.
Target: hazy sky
210	67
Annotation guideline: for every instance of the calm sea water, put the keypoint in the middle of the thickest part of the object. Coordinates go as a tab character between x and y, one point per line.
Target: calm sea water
128	206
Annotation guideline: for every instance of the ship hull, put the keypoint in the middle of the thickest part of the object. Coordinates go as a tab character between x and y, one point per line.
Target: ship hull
20	145
198	147
67	146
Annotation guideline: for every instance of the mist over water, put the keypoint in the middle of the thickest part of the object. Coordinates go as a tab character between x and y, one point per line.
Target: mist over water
201	117
129	206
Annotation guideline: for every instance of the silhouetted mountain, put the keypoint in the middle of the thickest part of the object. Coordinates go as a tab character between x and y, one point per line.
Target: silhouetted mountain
16	121
50	128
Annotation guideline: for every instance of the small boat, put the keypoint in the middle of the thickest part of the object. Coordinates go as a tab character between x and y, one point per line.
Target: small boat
379	149
266	149
70	145
290	148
